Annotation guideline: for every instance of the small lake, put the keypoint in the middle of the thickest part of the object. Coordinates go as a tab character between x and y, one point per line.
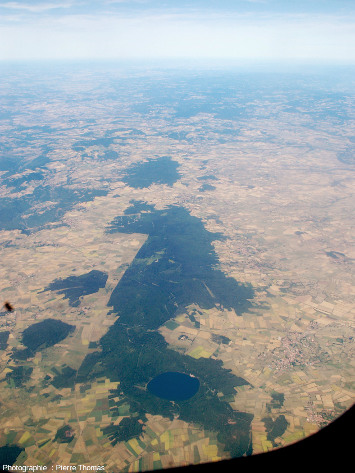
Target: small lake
174	386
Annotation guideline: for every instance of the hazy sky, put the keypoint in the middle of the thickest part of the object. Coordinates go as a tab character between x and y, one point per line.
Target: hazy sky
242	29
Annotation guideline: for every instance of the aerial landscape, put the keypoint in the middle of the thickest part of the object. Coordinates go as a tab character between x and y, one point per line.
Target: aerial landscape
177	260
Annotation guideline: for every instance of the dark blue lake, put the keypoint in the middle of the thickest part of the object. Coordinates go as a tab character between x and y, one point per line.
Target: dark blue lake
174	386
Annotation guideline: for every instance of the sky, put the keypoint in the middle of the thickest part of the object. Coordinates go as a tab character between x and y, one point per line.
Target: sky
256	30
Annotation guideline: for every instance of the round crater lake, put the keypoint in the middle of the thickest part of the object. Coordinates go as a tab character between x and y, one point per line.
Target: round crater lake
174	386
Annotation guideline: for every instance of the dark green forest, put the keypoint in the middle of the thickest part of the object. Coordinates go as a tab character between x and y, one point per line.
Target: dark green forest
170	271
